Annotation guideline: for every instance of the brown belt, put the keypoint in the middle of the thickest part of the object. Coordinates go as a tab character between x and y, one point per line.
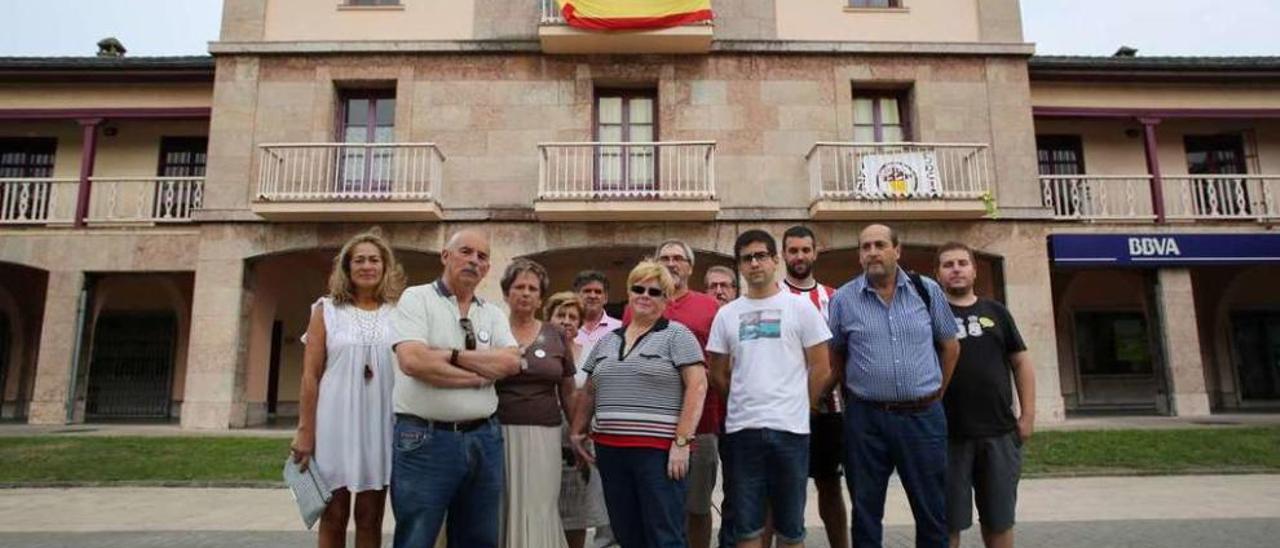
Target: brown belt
911	406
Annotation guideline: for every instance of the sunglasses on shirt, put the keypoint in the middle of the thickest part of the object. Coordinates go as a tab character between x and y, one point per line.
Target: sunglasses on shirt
655	292
469	332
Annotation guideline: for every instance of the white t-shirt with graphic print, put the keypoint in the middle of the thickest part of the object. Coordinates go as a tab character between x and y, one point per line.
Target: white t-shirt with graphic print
765	340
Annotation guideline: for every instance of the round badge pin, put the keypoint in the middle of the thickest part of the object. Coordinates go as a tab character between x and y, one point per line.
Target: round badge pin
540	353
483	336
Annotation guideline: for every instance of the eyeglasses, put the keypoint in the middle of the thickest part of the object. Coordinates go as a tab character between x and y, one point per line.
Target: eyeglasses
758	257
654	292
469	332
720	285
673	259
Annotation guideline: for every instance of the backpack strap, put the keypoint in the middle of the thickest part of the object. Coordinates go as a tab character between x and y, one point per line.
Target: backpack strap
918	281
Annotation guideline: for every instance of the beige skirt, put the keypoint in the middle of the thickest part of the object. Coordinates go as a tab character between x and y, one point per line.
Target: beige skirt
530	502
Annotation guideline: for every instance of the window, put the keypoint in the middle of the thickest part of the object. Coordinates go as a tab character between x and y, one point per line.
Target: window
25	159
179	157
879	118
875	3
1113	343
1062	156
1217	155
367	117
626	116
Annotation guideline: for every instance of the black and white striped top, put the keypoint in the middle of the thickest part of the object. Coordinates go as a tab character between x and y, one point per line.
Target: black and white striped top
641	393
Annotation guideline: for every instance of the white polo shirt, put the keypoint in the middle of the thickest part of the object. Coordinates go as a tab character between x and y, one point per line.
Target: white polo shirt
429	314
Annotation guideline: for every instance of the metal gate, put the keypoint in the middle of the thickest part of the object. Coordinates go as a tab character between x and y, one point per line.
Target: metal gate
131	372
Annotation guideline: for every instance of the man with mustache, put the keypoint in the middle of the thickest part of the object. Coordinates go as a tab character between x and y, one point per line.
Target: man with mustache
894	336
448	452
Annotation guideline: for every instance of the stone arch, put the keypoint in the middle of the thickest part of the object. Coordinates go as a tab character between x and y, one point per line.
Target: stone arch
615	261
1249	289
22	296
280	288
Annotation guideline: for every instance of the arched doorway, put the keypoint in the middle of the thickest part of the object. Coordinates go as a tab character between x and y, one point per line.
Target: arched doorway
22	300
137	329
281	289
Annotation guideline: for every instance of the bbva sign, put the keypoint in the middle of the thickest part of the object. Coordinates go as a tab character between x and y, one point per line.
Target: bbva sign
1154	247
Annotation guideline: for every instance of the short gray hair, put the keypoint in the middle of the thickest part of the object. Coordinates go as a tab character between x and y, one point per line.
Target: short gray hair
688	251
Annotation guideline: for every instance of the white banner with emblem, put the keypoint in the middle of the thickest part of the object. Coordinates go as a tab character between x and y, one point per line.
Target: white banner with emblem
899	175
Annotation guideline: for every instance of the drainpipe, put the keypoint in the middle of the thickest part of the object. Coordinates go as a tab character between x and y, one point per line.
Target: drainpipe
81	310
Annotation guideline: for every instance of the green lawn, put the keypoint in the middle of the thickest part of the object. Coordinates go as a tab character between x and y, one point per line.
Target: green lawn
1111	452
92	460
177	460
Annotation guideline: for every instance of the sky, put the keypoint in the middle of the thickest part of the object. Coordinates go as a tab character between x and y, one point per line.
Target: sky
1058	27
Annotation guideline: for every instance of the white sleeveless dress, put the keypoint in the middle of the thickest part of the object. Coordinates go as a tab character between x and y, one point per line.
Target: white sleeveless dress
354	414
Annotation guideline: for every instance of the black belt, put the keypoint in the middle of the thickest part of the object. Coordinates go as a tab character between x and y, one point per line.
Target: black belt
461	426
911	406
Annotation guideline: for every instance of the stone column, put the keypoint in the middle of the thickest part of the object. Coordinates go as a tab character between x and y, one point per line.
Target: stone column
57	348
1030	300
1181	336
214	396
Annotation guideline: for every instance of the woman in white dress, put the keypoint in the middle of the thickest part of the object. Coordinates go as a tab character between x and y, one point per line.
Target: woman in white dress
345	421
581	498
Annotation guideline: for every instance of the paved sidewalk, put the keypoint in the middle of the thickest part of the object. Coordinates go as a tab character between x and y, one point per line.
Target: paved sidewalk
1172	511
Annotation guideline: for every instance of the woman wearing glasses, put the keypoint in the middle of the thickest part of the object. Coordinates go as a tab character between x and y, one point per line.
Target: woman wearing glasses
643	398
530	407
581	498
345	421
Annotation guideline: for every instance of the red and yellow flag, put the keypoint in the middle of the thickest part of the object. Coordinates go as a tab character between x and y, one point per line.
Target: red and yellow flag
633	14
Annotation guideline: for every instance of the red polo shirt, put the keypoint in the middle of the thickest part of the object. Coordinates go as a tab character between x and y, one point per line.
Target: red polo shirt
696	311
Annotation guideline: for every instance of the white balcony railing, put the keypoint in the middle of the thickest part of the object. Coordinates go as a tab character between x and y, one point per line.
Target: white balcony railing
899	171
38	200
1098	197
336	172
675	170
111	200
144	199
1222	197
551	14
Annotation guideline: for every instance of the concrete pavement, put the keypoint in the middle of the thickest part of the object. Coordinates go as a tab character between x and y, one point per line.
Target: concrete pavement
1236	511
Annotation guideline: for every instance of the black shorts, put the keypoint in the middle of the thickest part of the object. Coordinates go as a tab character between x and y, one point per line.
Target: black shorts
984	471
826	445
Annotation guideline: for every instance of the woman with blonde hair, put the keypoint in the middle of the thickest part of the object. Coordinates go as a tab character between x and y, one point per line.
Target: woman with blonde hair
345	420
581	499
644	394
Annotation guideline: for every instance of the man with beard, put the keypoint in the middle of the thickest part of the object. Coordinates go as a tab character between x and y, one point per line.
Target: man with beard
826	440
696	311
985	438
895	337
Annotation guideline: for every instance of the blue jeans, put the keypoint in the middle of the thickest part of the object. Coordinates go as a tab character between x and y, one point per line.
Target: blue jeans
915	443
768	465
435	473
646	507
726	505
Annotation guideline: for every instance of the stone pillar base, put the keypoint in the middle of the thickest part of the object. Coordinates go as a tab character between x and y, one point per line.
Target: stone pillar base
1194	404
47	413
212	415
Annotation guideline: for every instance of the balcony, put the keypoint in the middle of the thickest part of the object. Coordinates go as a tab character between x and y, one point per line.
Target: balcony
1186	198
112	200
349	182
559	38
650	181
858	181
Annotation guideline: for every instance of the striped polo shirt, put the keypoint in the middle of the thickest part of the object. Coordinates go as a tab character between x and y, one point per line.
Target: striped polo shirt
640	394
820	295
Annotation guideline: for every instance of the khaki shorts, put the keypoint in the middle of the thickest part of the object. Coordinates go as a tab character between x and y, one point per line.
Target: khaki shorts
703	462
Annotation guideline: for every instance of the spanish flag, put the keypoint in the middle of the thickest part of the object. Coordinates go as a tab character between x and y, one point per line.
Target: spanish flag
633	14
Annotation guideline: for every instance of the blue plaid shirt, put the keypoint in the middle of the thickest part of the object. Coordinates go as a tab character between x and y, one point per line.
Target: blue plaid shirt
889	348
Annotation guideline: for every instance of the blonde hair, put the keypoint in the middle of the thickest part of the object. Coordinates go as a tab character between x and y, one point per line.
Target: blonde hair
649	270
388	290
563	299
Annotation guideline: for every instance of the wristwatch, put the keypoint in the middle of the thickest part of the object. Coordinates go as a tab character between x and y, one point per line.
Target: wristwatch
453	357
683	441
524	364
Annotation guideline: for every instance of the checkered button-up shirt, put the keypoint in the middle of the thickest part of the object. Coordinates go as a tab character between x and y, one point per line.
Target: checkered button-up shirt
889	347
